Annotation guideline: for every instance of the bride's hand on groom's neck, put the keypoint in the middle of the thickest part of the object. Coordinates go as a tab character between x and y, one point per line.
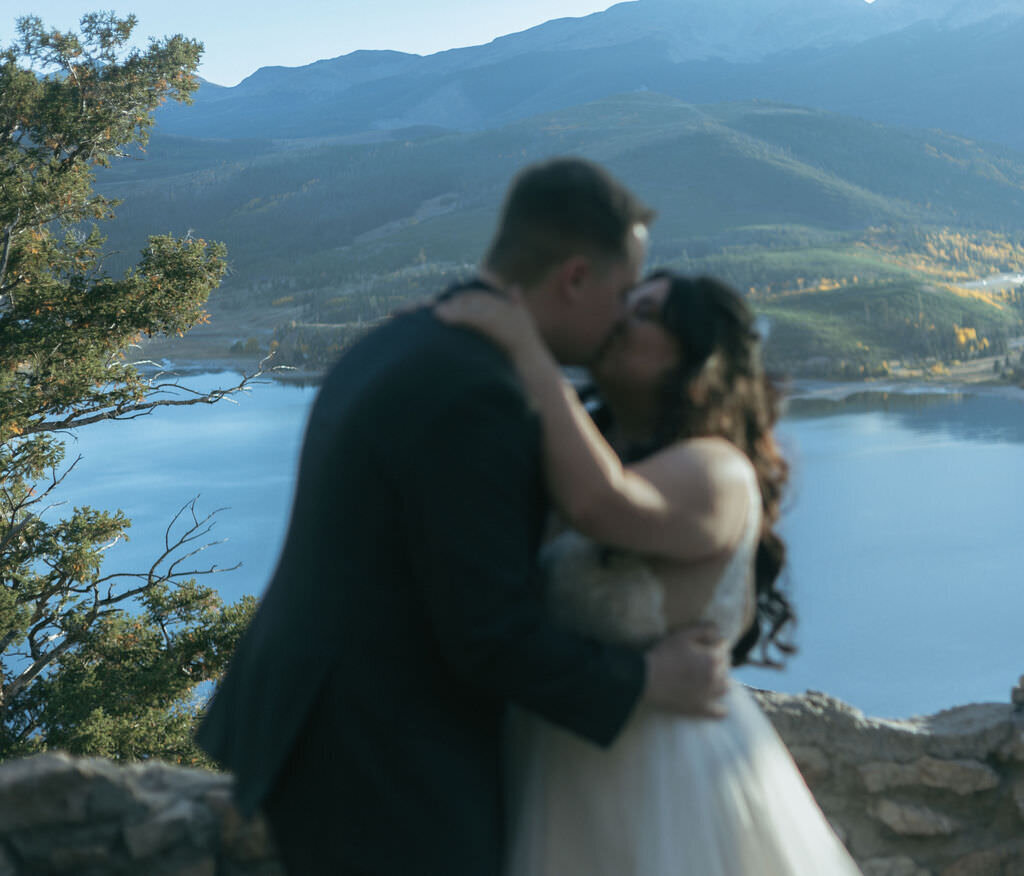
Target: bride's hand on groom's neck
500	316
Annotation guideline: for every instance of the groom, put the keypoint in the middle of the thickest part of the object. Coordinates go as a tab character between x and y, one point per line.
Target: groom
363	708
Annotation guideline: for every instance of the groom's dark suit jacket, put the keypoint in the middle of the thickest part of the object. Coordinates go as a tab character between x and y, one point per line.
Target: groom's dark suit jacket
363	707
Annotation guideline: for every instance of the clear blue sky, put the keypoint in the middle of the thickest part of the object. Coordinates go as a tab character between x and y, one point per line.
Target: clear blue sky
243	35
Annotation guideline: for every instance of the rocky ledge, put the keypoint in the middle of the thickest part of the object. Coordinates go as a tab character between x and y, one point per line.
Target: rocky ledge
936	796
941	795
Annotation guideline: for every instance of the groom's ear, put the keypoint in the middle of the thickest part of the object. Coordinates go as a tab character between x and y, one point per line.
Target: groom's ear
573	275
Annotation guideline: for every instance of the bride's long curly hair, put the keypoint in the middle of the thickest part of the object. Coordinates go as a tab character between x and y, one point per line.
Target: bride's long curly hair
720	388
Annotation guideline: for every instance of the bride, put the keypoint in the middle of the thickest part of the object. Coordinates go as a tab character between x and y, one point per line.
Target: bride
670	514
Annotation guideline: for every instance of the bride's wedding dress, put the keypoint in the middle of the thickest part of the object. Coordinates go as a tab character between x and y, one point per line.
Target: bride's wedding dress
672	796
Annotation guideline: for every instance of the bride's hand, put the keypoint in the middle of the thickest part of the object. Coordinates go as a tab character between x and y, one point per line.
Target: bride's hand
502	317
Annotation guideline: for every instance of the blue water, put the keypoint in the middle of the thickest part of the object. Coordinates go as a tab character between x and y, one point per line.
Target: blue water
240	457
904	528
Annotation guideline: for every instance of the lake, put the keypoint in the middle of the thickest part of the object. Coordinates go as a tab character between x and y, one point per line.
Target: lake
904	527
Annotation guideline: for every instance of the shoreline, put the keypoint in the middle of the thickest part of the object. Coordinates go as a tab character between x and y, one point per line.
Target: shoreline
825	390
193	355
800	388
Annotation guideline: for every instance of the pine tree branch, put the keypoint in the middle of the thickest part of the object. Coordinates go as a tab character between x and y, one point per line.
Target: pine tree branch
38	639
87	416
5	259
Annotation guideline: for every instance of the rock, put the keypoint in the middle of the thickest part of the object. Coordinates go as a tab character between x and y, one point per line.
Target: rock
54	788
906	819
206	866
92	817
245	839
959	776
1014	748
43	848
971	732
840	831
1017	695
165	778
901	866
814	764
77	859
162	831
1004	860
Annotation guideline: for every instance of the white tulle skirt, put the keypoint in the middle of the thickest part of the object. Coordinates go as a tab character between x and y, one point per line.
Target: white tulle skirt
672	795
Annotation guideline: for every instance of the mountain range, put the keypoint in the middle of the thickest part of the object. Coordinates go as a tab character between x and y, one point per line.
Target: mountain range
849	165
925	63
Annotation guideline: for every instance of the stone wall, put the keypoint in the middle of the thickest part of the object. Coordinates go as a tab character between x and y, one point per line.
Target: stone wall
91	817
935	796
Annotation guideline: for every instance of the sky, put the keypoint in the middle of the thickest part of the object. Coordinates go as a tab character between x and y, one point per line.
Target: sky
242	35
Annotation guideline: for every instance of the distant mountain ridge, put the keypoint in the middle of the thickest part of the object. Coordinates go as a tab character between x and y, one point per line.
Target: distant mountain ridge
744	31
928	63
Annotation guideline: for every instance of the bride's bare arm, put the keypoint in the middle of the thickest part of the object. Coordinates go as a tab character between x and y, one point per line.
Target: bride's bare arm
687	502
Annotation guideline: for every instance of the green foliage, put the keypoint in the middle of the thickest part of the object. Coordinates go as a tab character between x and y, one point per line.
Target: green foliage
64	320
127	691
92	662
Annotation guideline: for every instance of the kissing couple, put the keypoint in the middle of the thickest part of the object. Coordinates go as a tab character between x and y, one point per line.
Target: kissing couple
498	637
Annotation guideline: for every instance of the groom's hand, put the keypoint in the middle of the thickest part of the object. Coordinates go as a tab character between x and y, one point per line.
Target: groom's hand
688	672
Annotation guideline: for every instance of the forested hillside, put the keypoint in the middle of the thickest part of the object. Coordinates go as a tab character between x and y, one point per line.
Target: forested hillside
779	199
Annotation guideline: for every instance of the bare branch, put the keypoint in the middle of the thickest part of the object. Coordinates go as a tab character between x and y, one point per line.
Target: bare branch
48	627
25	678
11	535
151	580
7	641
165	634
56	481
84	417
30	500
8	233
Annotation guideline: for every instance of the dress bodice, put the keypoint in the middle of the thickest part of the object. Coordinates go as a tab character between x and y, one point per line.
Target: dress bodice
616	597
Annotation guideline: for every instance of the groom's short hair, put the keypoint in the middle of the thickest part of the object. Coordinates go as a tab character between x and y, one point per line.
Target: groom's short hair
560	208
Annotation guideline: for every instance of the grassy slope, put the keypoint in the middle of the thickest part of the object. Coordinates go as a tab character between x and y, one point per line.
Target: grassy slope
774	198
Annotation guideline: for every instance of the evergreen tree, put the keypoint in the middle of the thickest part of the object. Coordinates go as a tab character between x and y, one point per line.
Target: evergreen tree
93	663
